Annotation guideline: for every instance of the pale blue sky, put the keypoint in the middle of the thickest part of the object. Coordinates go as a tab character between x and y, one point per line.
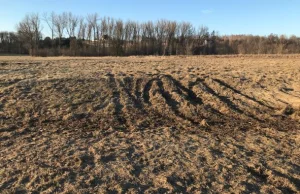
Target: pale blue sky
259	17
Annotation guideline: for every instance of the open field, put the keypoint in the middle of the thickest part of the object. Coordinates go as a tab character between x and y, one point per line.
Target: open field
214	124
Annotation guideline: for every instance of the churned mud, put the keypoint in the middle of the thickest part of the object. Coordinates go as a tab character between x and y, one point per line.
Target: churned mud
215	124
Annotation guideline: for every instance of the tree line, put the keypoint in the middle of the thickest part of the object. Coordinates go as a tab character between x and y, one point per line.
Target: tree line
73	35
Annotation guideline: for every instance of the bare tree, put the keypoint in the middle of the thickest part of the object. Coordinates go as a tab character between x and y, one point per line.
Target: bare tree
106	36
185	32
92	20
128	36
136	33
82	29
60	23
110	32
161	34
29	29
93	24
71	24
171	28
50	21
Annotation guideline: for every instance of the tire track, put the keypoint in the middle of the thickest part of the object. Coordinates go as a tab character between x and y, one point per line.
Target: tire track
138	87
118	106
223	99
168	100
128	87
172	103
129	102
227	86
191	96
133	109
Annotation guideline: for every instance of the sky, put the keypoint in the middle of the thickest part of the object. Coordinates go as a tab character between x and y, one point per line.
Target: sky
258	17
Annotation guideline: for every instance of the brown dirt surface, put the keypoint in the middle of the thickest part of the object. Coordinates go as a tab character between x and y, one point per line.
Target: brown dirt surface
206	124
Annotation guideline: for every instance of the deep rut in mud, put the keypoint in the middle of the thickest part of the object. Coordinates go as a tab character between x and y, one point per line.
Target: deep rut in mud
129	102
207	99
133	102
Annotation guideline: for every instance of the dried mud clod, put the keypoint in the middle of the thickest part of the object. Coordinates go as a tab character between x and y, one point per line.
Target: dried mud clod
288	110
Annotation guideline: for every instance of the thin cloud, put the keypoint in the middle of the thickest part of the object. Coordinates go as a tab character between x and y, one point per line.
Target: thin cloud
206	11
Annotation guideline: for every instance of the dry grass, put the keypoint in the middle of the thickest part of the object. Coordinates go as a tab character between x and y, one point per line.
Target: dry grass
222	124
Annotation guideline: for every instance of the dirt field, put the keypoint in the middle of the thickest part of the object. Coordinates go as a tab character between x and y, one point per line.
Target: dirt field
215	124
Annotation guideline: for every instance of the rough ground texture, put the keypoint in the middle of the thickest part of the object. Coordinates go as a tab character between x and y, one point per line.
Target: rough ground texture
227	124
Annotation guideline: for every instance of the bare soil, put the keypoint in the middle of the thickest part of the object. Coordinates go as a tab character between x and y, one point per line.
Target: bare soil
213	124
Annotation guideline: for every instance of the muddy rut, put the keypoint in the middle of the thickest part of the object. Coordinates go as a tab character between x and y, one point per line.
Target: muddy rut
135	103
